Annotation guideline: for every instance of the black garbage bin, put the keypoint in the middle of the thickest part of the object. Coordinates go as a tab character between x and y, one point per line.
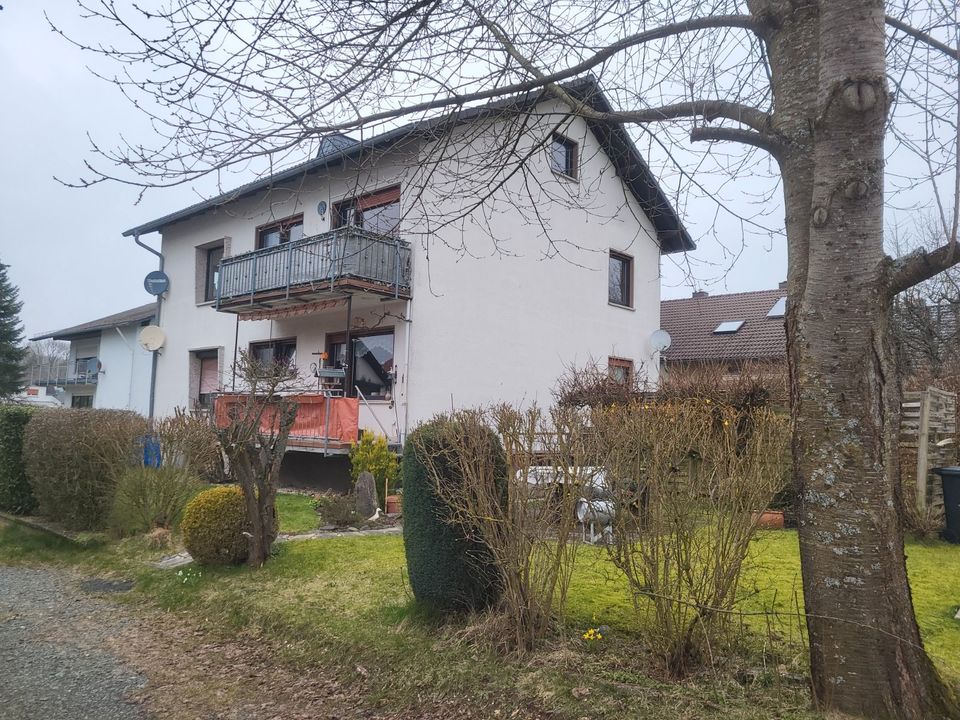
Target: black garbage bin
951	502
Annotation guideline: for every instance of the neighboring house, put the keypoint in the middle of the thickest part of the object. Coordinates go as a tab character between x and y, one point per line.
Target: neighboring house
106	367
340	266
732	329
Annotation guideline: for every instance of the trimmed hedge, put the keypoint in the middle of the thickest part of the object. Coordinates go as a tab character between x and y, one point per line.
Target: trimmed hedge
15	493
448	571
213	526
74	459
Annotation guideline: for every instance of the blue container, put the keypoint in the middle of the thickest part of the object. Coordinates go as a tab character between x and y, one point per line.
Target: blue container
951	502
151	451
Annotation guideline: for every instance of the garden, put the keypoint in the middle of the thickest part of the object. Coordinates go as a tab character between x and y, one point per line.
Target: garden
682	606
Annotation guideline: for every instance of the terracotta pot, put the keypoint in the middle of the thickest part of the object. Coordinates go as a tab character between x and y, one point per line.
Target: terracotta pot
769	519
393	504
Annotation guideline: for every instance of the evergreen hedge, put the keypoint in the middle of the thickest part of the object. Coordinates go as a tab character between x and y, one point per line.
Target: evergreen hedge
447	570
74	459
15	493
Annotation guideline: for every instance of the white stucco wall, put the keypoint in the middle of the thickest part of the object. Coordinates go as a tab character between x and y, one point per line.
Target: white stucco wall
490	320
124	381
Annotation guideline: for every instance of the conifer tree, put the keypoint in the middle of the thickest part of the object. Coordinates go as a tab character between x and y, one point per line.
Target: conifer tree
12	348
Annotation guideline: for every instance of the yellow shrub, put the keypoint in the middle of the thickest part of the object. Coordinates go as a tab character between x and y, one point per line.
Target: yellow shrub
213	526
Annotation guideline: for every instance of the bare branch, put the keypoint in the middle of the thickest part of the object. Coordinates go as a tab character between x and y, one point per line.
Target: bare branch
748	137
923	37
921	265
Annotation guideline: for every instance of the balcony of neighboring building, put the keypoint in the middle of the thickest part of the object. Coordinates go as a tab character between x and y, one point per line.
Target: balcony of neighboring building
306	271
82	371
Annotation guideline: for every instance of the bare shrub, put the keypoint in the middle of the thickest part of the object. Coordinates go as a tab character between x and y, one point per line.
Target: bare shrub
190	443
146	498
529	527
686	478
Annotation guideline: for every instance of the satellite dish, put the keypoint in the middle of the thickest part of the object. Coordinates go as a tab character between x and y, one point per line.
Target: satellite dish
660	340
321	208
151	338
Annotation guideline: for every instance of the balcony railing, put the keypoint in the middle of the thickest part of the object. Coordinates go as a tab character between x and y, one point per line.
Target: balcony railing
83	371
318	263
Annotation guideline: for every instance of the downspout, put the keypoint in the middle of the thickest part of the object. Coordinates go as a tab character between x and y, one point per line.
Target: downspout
133	360
406	375
153	365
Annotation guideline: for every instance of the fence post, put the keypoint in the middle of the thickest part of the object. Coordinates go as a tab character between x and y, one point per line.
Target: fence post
923	446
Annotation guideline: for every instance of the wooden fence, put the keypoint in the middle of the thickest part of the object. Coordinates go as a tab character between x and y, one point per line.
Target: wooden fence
928	420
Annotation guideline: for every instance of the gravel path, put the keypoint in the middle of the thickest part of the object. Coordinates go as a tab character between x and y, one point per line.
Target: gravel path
53	661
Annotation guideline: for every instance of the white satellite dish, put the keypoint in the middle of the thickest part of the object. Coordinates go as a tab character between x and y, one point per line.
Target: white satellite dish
151	338
660	340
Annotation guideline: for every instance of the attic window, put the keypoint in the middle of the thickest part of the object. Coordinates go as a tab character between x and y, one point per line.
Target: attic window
779	309
563	155
728	327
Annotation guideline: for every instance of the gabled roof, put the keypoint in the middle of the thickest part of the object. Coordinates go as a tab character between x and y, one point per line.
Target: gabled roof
137	314
614	139
691	323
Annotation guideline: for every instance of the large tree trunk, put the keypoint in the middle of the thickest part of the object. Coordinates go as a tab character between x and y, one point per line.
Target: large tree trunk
866	656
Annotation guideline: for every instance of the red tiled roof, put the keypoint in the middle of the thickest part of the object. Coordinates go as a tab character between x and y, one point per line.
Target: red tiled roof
691	322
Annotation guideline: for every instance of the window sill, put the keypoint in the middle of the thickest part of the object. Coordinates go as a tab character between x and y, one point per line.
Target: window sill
622	307
207	303
566	178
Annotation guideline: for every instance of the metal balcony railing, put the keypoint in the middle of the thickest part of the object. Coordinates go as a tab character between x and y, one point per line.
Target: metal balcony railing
341	254
82	371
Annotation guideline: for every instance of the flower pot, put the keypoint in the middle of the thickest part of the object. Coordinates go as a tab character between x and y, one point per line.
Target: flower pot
769	519
393	504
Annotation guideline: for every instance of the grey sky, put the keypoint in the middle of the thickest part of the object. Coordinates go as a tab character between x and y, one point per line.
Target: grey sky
64	245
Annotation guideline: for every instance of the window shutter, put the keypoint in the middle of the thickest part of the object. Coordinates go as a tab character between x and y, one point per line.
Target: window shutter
209	375
381	197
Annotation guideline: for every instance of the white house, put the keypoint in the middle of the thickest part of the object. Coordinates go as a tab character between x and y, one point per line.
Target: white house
106	368
376	258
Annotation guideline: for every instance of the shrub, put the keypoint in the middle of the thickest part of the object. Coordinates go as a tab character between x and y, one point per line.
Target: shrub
213	526
372	454
148	498
74	459
15	493
190	443
448	570
338	510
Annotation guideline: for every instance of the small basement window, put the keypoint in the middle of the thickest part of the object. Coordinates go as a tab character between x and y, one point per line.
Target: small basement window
779	309
728	327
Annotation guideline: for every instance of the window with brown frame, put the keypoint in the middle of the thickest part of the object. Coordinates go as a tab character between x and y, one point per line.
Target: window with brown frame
280	232
211	272
274	352
563	155
378	212
620	282
370	364
621	370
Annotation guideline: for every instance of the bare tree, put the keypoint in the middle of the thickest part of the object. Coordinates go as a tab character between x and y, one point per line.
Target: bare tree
817	86
254	438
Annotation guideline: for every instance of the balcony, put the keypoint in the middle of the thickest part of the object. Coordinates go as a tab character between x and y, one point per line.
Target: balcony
314	268
323	424
82	371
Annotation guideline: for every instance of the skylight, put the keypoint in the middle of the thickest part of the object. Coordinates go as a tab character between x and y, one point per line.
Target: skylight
728	326
779	309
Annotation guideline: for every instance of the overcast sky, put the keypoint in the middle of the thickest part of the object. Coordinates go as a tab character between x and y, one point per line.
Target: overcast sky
64	245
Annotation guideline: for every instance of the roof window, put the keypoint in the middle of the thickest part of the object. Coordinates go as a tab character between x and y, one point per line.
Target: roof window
779	309
728	327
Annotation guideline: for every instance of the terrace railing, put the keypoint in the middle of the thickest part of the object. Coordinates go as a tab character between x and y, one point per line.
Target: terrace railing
345	253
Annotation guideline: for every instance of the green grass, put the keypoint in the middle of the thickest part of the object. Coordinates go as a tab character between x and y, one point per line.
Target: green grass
342	603
296	513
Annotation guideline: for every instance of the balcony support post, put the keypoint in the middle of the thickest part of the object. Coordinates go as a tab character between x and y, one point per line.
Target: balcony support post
253	278
289	267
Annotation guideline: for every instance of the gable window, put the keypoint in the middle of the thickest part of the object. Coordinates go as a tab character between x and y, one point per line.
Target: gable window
274	352
563	155
278	233
370	364
620	370
620	280
211	272
377	212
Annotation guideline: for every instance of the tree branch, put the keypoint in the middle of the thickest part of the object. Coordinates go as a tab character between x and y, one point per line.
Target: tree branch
923	37
921	265
748	137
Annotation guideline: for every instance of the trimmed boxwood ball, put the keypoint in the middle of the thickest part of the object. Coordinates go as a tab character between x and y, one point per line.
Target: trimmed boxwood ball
447	570
213	526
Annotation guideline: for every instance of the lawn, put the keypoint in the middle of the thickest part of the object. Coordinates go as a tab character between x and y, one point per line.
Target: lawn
343	604
296	513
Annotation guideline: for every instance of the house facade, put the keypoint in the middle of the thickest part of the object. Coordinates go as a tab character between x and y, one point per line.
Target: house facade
105	368
377	272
